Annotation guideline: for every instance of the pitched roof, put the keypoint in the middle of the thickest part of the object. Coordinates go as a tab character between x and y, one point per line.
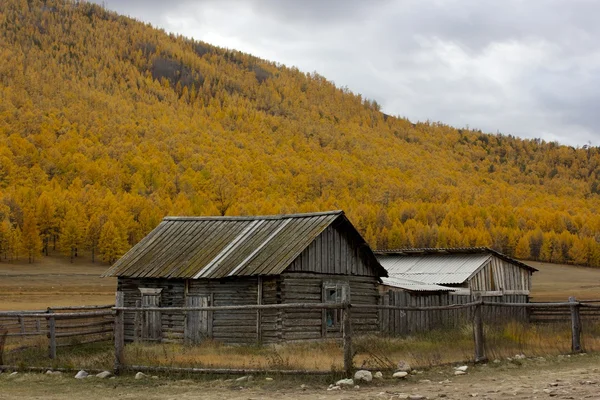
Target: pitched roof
219	247
414	286
440	266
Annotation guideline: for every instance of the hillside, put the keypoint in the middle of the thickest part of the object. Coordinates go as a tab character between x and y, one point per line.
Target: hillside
107	125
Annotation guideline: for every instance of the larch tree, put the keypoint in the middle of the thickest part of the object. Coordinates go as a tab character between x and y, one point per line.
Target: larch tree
45	211
92	235
112	243
31	242
71	234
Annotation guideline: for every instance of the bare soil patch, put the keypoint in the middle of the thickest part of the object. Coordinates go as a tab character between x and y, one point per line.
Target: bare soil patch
575	377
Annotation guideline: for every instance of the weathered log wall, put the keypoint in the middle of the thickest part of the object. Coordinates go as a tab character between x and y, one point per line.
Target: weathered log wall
404	322
311	324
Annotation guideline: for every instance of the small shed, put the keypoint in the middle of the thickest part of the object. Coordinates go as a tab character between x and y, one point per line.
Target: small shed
445	276
468	270
219	261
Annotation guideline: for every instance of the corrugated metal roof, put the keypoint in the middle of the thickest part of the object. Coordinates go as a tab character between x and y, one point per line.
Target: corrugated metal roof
455	250
415	286
443	269
218	247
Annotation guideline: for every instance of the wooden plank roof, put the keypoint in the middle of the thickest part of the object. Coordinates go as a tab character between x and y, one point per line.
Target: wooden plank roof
219	247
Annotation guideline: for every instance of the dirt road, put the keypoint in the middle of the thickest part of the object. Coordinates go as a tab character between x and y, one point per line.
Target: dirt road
575	377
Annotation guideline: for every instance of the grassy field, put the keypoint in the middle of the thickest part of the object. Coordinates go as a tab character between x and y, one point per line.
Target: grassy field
54	281
558	282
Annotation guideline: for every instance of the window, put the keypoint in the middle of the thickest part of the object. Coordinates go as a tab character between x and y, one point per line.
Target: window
334	292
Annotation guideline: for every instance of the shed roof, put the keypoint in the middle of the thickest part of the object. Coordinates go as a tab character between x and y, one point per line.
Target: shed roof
440	266
414	286
219	247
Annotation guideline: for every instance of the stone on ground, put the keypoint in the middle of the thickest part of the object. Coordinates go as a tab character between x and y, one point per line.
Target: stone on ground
103	375
462	368
345	382
363	375
140	375
400	374
378	375
81	374
459	372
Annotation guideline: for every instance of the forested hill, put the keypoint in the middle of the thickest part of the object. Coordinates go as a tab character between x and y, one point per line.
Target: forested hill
107	125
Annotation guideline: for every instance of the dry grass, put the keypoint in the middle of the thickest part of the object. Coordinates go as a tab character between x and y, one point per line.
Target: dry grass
421	351
54	281
556	282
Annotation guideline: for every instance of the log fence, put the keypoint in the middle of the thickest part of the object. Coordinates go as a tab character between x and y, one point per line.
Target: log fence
63	326
97	322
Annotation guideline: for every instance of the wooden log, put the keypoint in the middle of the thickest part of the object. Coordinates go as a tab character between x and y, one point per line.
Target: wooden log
57	316
495	303
478	331
3	334
414	308
326	306
52	335
259	296
119	335
575	327
347	336
73	308
85	325
84	333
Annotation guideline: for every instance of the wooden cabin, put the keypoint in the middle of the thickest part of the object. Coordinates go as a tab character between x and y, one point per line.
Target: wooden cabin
204	261
439	277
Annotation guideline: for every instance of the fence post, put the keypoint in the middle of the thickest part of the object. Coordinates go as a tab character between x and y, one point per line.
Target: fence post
347	335
575	326
119	334
478	330
3	334
52	334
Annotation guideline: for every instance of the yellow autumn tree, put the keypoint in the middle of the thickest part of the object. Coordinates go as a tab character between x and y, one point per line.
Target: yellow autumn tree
31	242
112	243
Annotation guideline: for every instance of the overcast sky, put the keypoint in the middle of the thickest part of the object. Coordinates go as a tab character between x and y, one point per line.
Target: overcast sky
530	68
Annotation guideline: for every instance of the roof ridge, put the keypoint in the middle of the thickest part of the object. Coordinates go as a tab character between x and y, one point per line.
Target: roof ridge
252	218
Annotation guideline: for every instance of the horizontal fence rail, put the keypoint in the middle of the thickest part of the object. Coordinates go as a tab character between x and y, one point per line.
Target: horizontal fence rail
66	326
62	326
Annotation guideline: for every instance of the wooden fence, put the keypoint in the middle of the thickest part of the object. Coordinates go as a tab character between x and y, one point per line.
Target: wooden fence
63	326
106	320
538	313
476	309
402	321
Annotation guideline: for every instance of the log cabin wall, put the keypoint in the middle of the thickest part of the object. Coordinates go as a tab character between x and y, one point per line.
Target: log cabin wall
313	324
235	326
172	295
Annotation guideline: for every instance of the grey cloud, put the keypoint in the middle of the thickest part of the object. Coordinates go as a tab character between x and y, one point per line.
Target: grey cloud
528	68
